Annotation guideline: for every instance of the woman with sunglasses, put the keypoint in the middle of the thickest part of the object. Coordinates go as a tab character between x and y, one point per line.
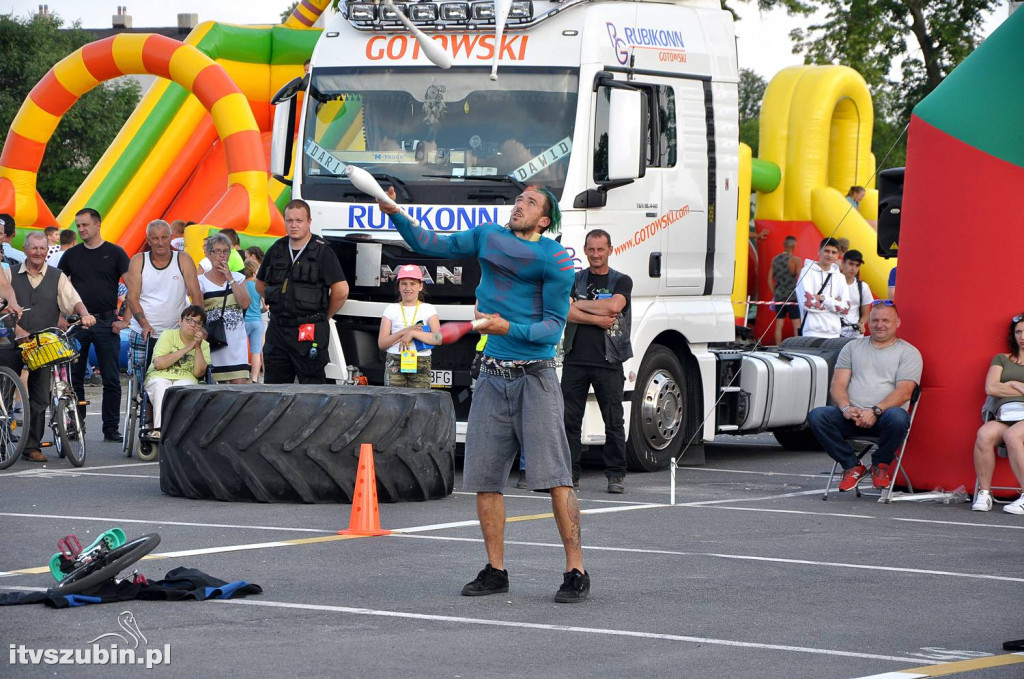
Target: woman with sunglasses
225	295
180	356
1005	382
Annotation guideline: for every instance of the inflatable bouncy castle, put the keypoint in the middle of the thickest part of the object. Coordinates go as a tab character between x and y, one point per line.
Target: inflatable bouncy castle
961	254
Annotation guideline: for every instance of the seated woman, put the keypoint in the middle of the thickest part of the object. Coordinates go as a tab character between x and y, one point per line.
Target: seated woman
1005	382
176	359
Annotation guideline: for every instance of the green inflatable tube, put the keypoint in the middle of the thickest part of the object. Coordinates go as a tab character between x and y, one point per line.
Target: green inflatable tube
764	175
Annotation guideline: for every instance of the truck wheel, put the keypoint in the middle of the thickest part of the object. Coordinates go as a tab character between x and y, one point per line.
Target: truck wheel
660	413
797	439
300	443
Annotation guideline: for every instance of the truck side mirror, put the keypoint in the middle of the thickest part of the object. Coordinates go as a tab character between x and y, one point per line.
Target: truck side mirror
627	128
282	139
283	134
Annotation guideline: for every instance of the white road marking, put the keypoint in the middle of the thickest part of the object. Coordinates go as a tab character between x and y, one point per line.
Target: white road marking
745	471
795	511
564	628
547	498
157	522
742	557
32	472
959	523
218	550
705	503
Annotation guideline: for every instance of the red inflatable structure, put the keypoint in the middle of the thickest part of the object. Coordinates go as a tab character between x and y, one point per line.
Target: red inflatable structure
961	265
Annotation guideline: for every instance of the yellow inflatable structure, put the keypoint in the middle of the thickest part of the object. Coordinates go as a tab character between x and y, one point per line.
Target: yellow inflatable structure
816	124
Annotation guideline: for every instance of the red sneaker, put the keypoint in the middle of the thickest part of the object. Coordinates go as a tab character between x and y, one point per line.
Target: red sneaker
851	477
880	475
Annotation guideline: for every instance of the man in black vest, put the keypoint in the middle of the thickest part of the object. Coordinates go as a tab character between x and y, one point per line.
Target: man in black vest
95	267
595	346
304	286
47	293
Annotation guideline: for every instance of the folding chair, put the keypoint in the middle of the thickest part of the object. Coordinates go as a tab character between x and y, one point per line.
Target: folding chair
988	412
868	445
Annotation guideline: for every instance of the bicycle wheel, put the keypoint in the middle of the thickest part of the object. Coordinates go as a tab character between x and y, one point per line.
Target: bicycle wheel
130	418
68	422
107	566
12	442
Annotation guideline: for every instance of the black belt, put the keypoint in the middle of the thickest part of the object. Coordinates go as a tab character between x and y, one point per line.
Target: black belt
103	315
511	370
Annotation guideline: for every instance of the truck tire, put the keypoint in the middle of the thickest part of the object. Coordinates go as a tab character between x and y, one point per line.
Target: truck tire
662	411
300	443
797	439
801	342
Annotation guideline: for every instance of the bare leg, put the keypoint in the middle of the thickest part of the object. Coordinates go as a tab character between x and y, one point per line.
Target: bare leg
490	509
779	322
566	509
256	360
796	326
989	436
1014	438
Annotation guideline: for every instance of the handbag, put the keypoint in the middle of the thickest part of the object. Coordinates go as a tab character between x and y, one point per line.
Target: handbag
216	333
1011	412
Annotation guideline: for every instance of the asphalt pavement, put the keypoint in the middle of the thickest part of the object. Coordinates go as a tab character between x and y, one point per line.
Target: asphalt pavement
750	574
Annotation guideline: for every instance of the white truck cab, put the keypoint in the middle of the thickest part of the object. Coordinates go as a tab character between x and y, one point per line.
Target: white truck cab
626	111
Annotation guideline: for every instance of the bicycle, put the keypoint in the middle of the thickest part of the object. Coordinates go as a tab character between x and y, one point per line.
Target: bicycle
12	389
137	432
53	348
76	569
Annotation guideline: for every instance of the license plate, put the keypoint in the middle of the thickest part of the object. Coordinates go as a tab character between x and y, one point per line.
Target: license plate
441	379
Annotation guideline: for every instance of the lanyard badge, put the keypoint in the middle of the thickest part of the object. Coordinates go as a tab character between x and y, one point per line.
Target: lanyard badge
410	361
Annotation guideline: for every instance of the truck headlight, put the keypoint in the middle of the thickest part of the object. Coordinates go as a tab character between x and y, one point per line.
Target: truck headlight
521	9
388	13
455	11
483	11
423	11
362	12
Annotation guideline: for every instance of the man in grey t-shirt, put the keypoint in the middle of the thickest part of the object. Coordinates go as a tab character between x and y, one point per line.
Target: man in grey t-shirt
873	382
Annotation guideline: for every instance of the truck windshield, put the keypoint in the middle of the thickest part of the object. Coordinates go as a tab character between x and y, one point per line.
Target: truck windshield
440	136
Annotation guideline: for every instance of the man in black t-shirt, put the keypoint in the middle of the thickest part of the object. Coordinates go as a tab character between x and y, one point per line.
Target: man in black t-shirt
95	267
595	346
304	286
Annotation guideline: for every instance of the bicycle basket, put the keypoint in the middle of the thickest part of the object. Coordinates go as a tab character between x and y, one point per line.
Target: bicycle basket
47	349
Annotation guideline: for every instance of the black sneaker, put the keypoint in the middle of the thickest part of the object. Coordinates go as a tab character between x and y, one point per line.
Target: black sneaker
488	581
615	485
575	587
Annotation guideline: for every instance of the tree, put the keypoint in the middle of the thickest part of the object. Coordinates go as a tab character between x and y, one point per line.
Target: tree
29	47
920	40
751	88
288	12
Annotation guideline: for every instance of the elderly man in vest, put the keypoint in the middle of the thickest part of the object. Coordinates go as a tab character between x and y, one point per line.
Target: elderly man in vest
596	345
47	293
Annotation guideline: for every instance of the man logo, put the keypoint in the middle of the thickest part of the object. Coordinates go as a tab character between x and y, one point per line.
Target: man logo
443	275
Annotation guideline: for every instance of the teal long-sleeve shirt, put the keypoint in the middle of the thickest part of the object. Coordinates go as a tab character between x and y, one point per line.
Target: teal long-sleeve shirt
526	282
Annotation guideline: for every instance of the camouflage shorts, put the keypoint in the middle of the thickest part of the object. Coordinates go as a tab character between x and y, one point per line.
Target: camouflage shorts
394	377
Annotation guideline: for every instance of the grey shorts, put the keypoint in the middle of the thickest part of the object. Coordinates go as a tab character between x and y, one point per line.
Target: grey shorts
508	415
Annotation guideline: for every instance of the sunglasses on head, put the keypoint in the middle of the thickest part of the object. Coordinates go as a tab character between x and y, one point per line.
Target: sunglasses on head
886	302
1018	318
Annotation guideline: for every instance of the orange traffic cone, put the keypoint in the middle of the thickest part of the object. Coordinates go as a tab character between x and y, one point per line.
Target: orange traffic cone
365	518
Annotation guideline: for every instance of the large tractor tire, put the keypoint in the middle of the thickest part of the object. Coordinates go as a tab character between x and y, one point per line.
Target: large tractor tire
300	443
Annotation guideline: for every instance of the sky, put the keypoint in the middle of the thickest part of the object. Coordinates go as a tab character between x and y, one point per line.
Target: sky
762	38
